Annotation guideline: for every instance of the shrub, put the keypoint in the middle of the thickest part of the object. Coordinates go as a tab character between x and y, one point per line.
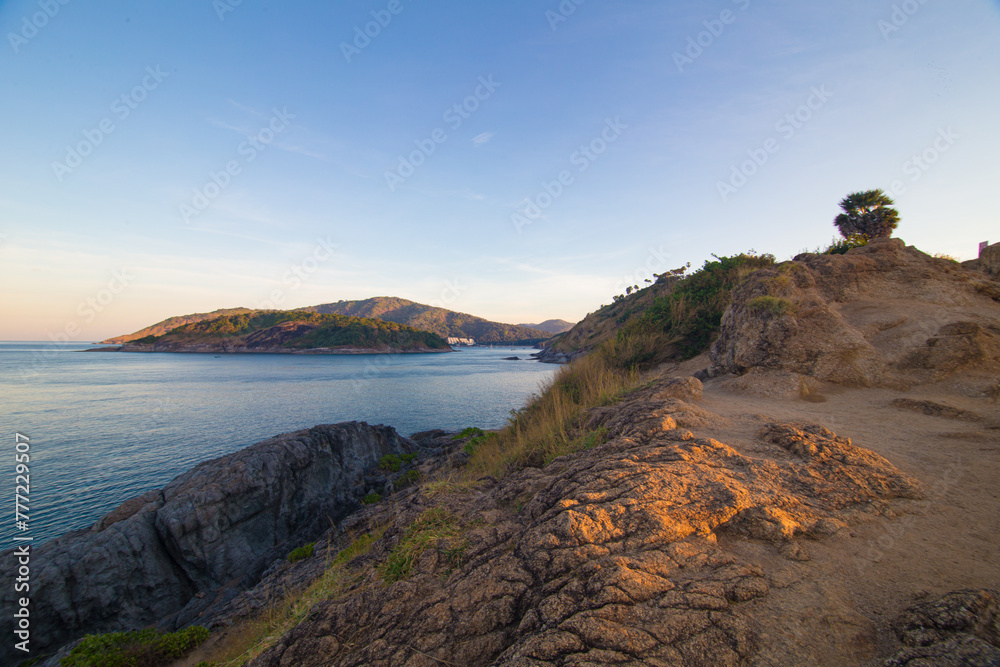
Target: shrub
473	443
688	316
407	458
471	432
841	246
407	478
140	648
303	552
372	498
390	463
771	304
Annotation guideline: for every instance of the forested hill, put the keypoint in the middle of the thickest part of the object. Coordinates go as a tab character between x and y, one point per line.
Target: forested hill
290	331
172	323
445	323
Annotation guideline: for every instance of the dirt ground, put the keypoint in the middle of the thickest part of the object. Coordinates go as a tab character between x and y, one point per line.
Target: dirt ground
838	607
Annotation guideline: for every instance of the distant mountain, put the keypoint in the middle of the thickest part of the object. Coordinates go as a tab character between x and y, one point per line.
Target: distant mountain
290	331
445	323
551	326
170	323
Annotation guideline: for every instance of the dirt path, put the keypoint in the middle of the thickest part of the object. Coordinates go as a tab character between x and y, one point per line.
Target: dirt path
837	608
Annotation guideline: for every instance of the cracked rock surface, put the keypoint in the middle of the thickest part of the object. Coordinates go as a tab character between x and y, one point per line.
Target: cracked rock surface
611	556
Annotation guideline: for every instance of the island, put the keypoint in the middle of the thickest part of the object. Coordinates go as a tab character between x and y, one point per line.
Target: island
289	332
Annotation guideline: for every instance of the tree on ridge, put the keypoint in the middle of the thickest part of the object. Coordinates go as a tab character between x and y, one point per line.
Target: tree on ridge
868	214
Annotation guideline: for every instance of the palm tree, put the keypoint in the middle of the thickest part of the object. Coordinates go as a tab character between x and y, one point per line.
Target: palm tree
867	214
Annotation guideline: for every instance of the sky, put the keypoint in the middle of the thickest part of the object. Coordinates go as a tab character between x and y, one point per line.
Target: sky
517	160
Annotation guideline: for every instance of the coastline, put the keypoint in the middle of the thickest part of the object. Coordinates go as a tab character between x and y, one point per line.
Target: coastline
150	349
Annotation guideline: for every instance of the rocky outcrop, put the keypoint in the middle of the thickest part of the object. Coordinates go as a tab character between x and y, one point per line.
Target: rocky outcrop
884	315
611	556
551	356
960	628
216	527
988	261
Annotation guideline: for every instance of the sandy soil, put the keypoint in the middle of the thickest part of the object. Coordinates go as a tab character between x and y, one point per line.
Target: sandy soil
838	607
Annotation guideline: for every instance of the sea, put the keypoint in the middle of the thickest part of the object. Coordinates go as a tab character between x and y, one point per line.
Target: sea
102	427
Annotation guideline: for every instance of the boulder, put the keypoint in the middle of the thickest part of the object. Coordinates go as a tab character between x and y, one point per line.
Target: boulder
685	389
960	628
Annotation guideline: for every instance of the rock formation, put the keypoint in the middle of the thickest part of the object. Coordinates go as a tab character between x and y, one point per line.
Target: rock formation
606	557
883	315
960	628
153	559
988	261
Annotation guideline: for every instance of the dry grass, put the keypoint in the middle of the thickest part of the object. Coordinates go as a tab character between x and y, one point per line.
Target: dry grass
553	424
250	639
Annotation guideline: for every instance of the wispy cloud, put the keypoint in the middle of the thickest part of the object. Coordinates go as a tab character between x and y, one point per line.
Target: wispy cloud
482	139
290	148
246	109
228	126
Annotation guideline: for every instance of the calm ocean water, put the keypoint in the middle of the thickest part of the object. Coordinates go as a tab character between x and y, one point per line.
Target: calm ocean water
105	427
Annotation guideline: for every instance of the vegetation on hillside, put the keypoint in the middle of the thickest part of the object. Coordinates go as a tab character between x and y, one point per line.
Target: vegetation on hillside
321	331
445	323
172	323
140	648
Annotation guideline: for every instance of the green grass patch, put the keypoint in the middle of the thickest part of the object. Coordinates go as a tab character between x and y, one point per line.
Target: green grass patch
140	648
771	304
303	552
432	528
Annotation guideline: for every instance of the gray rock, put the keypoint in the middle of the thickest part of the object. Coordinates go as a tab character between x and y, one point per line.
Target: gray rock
960	628
217	525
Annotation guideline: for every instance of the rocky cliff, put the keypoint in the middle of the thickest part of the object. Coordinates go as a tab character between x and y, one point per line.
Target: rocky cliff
884	315
167	556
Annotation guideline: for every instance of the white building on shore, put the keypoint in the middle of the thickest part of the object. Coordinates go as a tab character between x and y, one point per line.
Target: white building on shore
461	341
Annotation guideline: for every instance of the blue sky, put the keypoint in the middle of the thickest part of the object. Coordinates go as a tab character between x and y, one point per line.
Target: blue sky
593	144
